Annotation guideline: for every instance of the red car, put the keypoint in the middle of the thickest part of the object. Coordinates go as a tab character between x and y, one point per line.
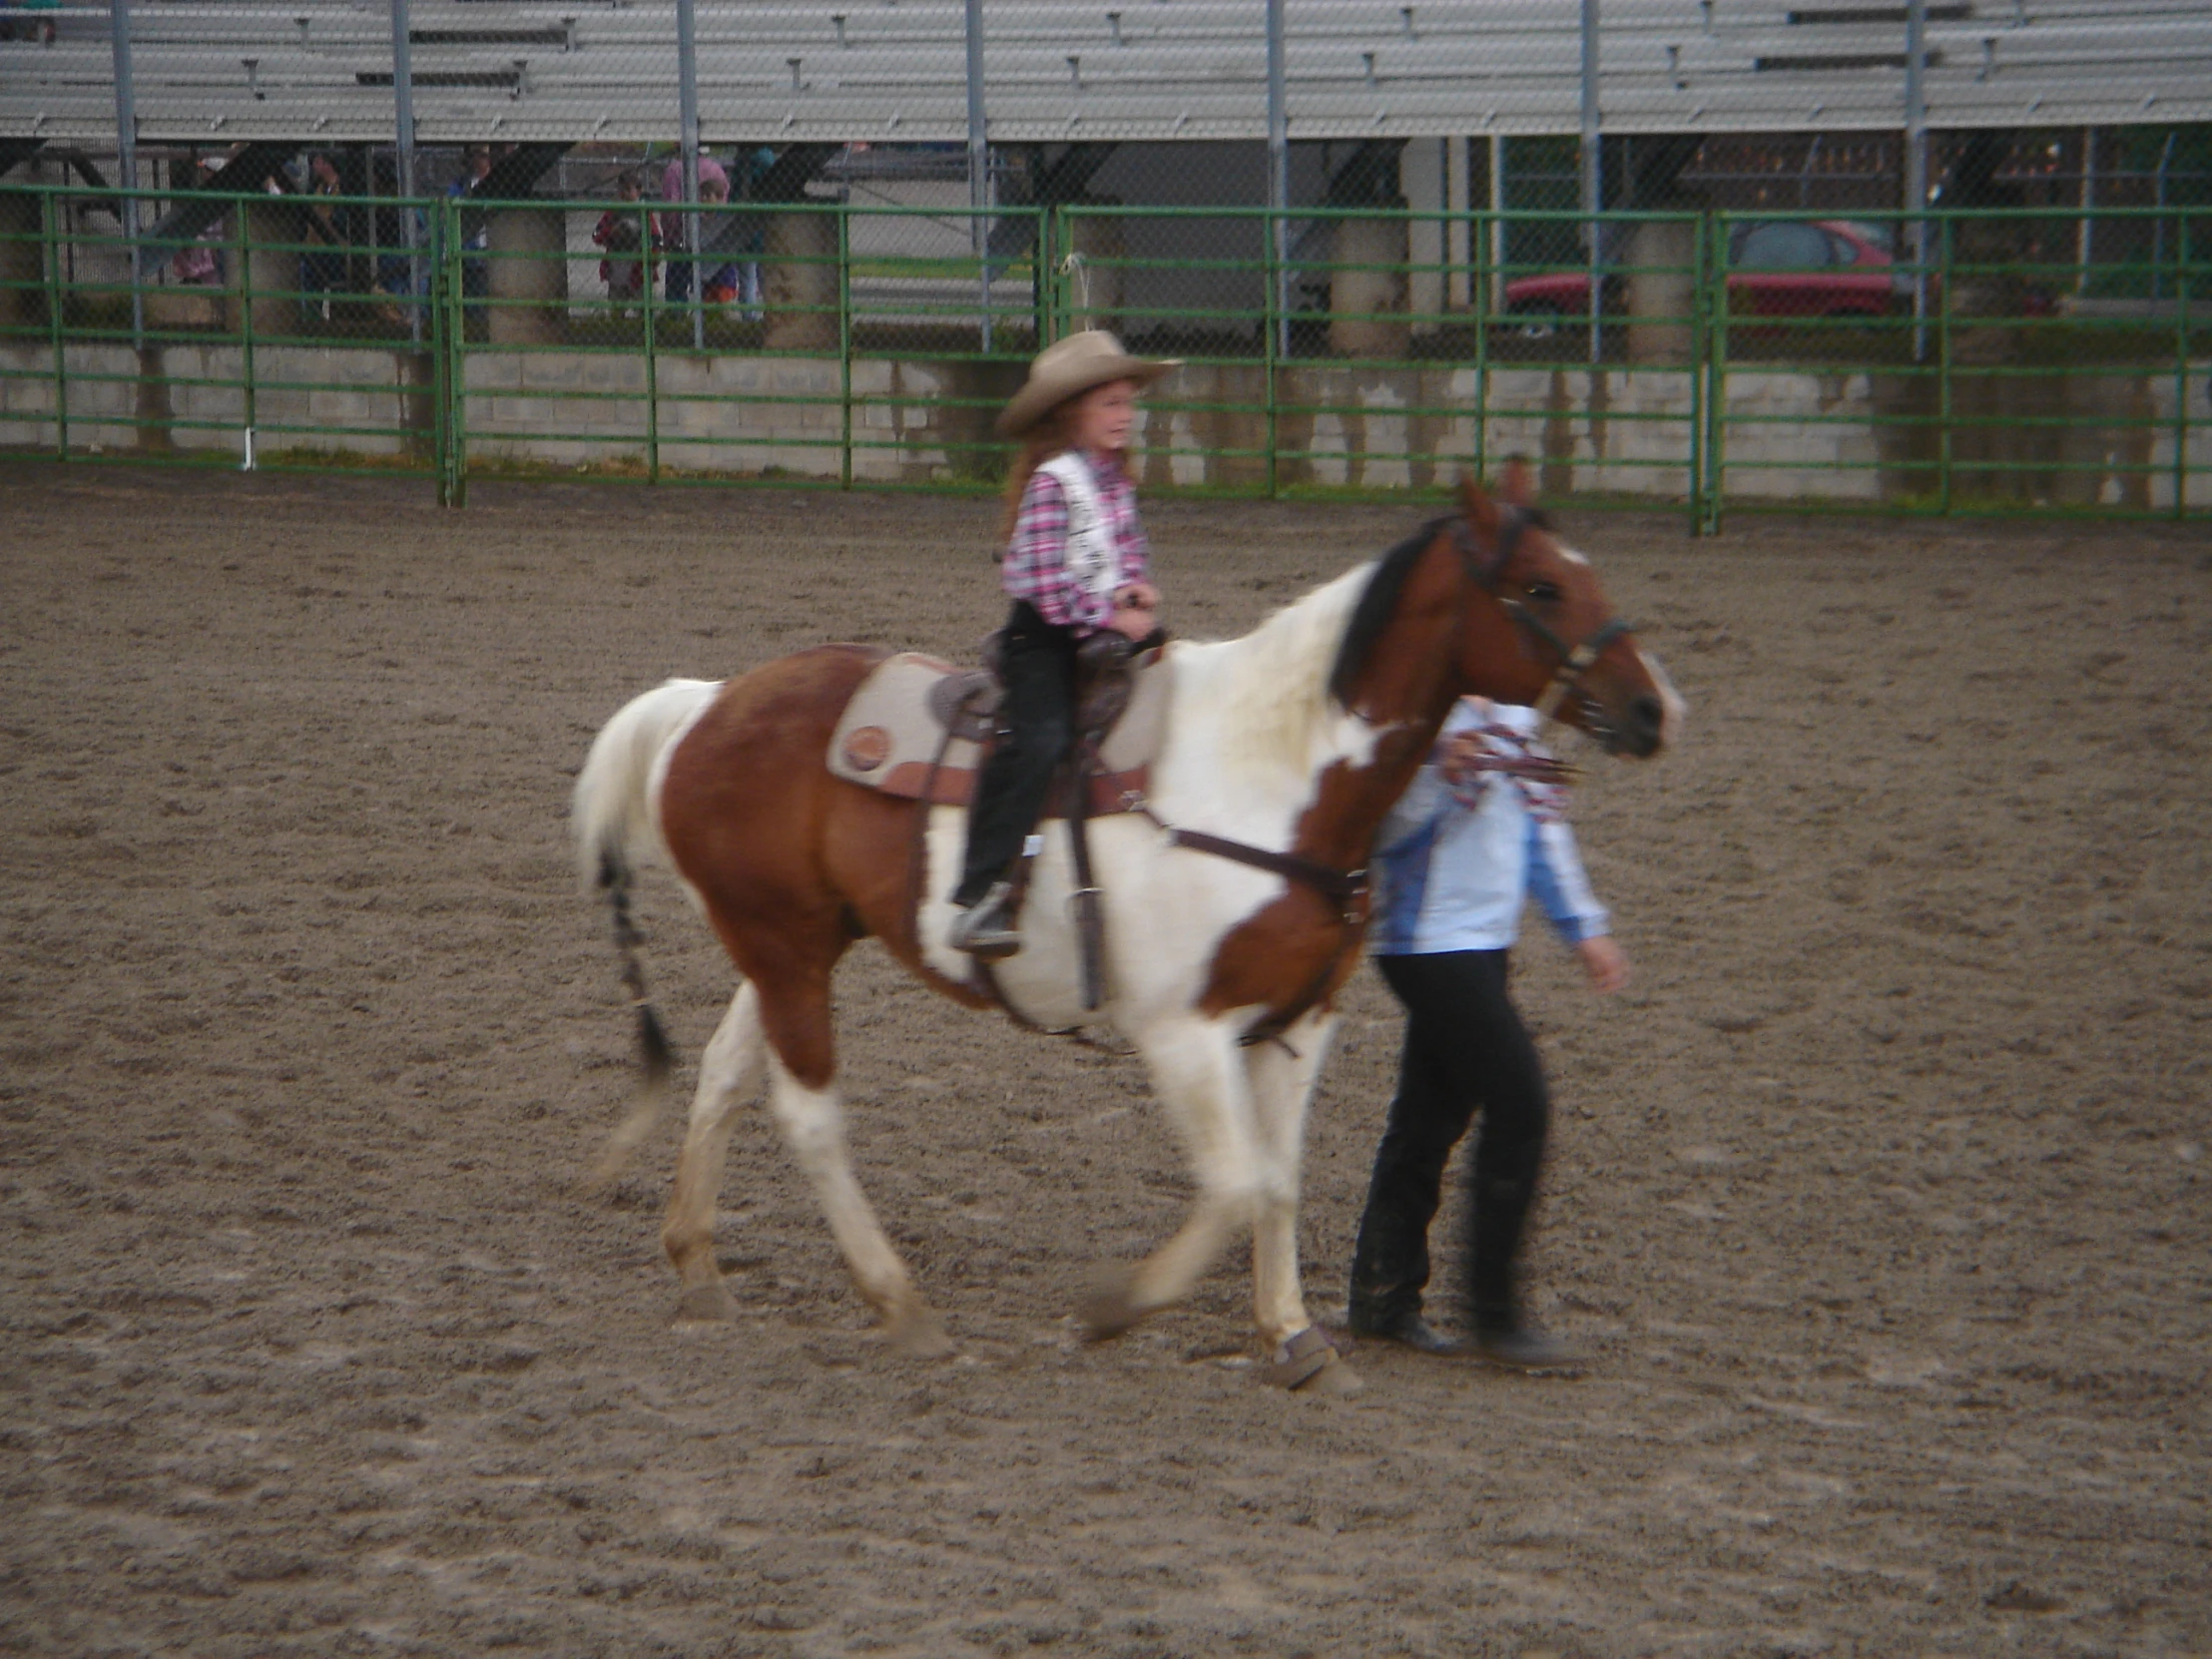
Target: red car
1776	268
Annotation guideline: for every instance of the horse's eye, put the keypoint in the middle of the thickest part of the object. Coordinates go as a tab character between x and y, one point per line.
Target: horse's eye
1544	593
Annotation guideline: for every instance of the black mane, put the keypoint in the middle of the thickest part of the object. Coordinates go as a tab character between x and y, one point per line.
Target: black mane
1378	604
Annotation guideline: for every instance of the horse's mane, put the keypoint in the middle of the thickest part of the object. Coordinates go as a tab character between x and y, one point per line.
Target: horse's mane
1378	603
1283	680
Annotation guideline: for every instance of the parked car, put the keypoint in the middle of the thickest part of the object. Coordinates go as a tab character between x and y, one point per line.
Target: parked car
1776	268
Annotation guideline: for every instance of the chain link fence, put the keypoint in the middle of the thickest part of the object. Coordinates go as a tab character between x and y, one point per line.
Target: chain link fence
819	241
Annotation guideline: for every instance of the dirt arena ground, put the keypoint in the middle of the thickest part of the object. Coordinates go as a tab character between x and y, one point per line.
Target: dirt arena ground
1879	1198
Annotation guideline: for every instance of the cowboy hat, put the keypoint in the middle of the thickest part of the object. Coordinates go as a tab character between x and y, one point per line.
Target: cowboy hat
1069	367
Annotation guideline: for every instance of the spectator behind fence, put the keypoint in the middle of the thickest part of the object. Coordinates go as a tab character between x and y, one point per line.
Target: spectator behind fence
40	29
753	168
719	285
200	260
395	270
475	228
621	231
678	288
322	265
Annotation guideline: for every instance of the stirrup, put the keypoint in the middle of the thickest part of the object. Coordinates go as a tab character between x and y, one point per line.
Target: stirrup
984	928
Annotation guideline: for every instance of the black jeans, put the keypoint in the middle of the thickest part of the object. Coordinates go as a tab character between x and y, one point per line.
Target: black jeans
1465	1051
1036	729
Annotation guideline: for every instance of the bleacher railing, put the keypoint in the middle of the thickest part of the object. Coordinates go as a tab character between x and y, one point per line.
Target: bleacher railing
1938	363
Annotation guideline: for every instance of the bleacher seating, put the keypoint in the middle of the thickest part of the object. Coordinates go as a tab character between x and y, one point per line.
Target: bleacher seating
840	70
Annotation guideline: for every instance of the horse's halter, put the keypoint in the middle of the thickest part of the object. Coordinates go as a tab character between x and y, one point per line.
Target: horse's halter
1488	568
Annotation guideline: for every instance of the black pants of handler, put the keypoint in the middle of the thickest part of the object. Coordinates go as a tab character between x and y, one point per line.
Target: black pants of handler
1036	729
1465	1051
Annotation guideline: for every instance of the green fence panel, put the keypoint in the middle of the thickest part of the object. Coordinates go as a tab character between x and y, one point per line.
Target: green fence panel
2031	361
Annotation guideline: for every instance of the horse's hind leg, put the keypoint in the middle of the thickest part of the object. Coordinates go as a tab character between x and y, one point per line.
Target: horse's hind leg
812	1120
728	1072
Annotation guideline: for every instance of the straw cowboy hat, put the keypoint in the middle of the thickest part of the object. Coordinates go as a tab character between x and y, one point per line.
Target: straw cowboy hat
1071	366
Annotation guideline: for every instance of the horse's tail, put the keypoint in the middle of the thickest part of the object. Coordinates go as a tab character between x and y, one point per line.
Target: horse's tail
612	819
612	814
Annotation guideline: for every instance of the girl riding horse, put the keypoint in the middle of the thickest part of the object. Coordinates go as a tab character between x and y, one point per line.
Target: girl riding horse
1075	565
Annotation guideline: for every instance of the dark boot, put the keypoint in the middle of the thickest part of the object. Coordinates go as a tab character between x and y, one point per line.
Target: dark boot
1524	1347
1407	1331
1390	1270
1503	1333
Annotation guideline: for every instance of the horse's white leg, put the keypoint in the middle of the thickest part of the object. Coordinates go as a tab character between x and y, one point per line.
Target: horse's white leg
813	1125
728	1072
1282	1081
1200	1077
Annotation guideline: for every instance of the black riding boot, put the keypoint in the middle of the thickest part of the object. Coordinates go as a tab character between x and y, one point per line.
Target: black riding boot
1502	1333
1036	729
1389	1261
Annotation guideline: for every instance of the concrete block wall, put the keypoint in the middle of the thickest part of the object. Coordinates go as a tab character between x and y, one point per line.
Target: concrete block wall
1847	436
27	396
302	392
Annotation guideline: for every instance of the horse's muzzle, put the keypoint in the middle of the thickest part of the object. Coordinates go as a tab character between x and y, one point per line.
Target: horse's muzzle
1636	729
1642	727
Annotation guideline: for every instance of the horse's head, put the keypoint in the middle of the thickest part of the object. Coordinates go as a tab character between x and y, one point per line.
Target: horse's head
1539	629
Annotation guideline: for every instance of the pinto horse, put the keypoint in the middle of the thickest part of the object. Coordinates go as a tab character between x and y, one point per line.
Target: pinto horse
1234	905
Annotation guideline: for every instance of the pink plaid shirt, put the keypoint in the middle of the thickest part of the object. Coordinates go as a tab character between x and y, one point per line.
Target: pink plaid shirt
1035	566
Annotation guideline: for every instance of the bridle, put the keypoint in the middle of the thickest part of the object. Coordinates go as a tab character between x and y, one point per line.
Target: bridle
1488	569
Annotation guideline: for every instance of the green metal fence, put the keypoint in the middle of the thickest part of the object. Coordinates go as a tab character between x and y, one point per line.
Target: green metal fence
1948	363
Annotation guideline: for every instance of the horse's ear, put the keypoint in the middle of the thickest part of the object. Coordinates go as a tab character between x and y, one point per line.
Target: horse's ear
1516	484
1476	502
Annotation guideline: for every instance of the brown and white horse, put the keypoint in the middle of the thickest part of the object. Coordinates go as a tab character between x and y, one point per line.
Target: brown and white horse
1292	741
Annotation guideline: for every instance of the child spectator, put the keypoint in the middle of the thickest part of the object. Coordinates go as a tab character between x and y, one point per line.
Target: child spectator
622	233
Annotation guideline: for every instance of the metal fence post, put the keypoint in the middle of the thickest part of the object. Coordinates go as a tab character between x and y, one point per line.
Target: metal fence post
652	351
2181	365
845	345
245	326
125	157
56	302
1279	174
1942	365
1480	294
1916	165
449	326
1716	375
980	182
1593	179
687	103
404	127
1271	360
1698	347
1041	275
441	360
2085	231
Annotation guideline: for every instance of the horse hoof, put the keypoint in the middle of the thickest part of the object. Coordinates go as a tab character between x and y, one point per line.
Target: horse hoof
1108	1309
1335	1380
706	1305
917	1334
1303	1360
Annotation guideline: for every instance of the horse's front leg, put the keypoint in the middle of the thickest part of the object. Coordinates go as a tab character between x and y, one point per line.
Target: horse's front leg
1282	1074
1199	1075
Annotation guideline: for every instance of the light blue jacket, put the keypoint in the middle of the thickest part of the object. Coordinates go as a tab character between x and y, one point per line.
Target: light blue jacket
1456	876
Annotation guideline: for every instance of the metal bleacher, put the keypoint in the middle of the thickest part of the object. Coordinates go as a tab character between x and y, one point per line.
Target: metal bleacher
221	71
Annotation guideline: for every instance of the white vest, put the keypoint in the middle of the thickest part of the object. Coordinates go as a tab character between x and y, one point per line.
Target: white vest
1092	558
